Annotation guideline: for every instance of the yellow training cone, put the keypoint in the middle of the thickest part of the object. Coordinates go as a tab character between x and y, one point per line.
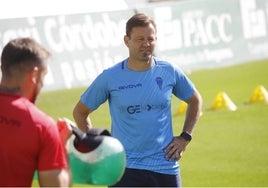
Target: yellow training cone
222	101
182	108
260	94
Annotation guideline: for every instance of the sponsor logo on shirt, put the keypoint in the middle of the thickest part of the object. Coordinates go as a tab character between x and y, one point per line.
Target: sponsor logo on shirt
130	86
134	109
9	121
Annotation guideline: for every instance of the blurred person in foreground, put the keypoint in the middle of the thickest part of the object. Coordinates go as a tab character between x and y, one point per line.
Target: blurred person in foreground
139	91
29	139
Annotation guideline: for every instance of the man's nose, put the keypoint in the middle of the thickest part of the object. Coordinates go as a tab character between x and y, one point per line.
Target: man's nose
147	42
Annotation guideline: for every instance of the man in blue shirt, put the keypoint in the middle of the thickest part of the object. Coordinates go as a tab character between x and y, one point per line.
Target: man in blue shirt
139	91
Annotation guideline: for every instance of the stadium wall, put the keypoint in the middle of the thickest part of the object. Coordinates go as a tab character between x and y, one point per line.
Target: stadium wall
196	34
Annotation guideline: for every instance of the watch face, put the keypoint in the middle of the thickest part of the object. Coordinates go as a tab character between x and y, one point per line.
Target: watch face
186	136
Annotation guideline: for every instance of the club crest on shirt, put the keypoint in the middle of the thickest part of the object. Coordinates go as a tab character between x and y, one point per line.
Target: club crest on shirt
159	82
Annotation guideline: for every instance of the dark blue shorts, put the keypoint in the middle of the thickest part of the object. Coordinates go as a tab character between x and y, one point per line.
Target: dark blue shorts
145	178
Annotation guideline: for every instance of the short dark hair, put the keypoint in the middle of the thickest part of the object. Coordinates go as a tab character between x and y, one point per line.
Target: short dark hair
22	53
137	20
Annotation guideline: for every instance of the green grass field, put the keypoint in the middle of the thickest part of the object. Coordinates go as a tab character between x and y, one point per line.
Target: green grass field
229	148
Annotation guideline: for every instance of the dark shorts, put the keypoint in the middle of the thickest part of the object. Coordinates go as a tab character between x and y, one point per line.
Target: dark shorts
145	178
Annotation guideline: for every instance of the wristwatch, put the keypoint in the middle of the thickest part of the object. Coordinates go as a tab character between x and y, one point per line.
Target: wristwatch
186	136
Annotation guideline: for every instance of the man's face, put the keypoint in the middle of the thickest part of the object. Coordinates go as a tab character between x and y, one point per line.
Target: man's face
141	42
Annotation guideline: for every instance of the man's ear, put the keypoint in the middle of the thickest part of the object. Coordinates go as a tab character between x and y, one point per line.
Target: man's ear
126	39
34	74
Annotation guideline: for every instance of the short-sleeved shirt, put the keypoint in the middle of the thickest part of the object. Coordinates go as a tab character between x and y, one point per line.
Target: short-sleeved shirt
29	141
140	108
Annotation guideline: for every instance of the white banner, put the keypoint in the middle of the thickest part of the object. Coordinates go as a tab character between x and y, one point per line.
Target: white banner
191	34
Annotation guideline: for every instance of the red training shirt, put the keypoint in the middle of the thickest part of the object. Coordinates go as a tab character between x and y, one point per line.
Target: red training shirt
29	141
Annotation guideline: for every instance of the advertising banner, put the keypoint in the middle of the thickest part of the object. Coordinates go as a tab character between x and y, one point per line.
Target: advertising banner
82	44
194	34
211	33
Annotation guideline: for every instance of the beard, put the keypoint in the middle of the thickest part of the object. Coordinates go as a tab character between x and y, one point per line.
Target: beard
36	91
146	55
34	95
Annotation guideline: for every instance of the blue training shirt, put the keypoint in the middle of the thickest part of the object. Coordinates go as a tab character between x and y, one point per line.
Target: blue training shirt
140	108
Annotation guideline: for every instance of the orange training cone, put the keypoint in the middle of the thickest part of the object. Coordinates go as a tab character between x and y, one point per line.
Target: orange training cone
222	101
260	94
